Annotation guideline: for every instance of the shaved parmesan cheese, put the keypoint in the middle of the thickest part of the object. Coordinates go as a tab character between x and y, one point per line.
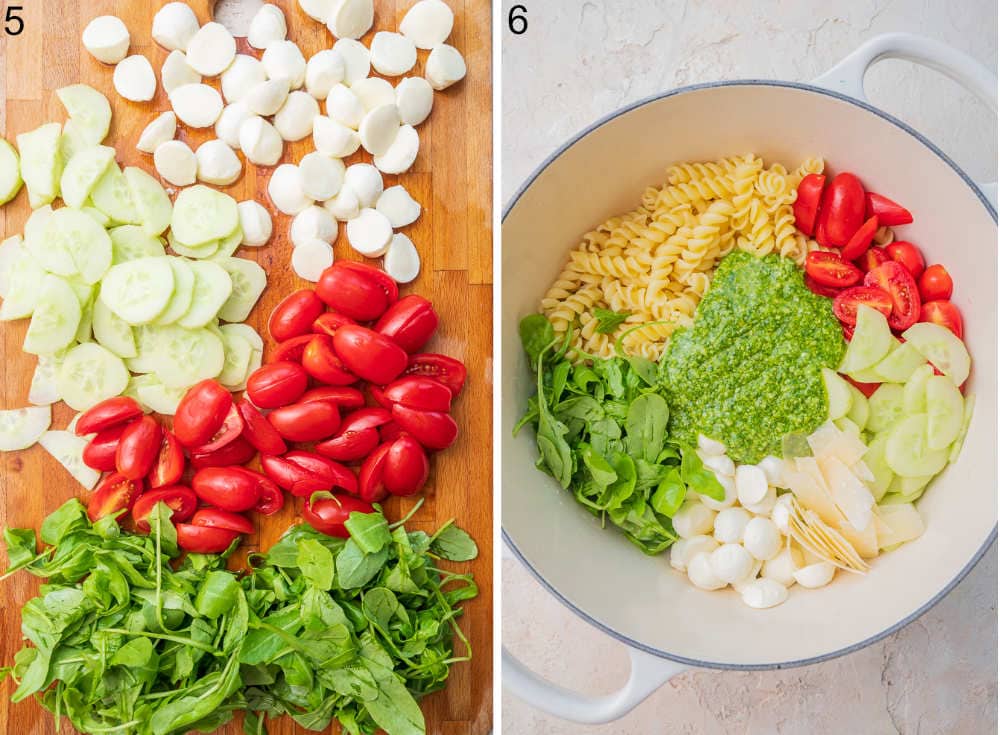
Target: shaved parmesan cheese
900	523
830	441
850	494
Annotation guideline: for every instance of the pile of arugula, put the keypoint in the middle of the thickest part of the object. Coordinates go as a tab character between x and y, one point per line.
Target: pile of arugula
601	429
127	639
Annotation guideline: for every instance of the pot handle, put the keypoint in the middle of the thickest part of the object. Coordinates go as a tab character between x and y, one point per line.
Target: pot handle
648	674
848	76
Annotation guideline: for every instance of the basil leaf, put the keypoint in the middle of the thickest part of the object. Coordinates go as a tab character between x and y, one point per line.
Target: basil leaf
696	477
670	494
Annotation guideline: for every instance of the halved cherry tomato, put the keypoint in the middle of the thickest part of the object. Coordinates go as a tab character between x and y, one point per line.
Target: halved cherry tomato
848	330
215	518
906	254
277	384
323	364
821	237
406	466
888	212
327	513
368	354
829	269
806	205
106	414
371	477
846	303
895	280
181	500
843	208
343	396
138	448
295	314
434	429
115	493
872	259
390	432
258	430
229	432
817	288
290	350
169	464
944	313
291	477
306	422
861	240
935	284
99	454
366	418
271	498
231	488
333	474
357	437
410	322
442	368
237	452
419	392
330	322
201	412
357	290
866	388
204	539
378	395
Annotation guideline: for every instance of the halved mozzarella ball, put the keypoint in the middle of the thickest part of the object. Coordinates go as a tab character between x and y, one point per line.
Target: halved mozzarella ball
774	471
701	573
710	446
782	567
196	105
402	153
761	538
174	25
294	121
816	575
160	130
317	9
217	164
260	142
267	25
255	221
311	258
763	593
365	181
693	519
731	563
369	233
175	72
285	189
379	128
176	163
730	524
764	507
266	98
134	79
728	497
751	484
782	512
402	261
392	54
322	176
284	59
106	38
323	70
415	99
211	50
683	550
351	18
445	66
428	23
357	59
243	74
720	464
397	204
374	92
312	223
334	139
345	206
344	106
227	127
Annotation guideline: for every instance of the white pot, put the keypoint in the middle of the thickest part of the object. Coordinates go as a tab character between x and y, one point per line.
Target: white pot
667	623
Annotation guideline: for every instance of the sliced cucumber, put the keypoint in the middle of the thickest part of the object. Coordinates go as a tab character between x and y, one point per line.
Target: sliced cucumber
942	349
907	489
256	358
150	391
89	110
20	428
43	390
82	173
238	353
97	215
885	407
915	390
187	356
907	452
838	394
41	163
859	408
945	411
68	448
875	460
10	250
72	141
130	242
22	291
10	172
212	287
139	290
246	332
956	448
180	302
871	341
201	252
84	331
249	281
202	214
111	195
55	319
150	200
229	244
846	425
89	374
145	349
87	243
52	255
112	331
899	364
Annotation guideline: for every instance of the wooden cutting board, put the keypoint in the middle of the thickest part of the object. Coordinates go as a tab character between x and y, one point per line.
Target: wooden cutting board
452	179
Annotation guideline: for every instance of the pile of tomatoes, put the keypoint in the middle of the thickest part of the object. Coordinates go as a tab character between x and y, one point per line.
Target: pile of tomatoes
314	389
893	279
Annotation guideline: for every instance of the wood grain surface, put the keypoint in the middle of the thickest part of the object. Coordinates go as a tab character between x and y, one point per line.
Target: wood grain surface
452	179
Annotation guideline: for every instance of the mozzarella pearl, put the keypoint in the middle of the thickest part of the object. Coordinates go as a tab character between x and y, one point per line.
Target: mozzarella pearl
816	575
782	567
702	574
683	550
730	524
693	519
761	538
764	593
751	484
255	221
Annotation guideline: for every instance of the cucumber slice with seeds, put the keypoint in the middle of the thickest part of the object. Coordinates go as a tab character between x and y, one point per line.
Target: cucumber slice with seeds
43	390
10	250
875	460
246	332
956	447
942	349
89	110
885	407
97	215
212	288
10	172
90	374
41	163
50	254
945	410
202	214
249	280
139	290
180	302
87	243
22	293
146	337
229	244
871	342
199	252
150	391
238	353
859	411
898	365
187	356
68	448
907	452
20	428
55	319
915	390
111	331
150	199
111	195
82	173
838	394
130	242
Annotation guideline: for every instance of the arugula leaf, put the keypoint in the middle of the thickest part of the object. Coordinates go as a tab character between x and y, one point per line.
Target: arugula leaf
217	594
316	563
608	320
537	335
355	568
370	531
454	544
646	426
70	516
696	477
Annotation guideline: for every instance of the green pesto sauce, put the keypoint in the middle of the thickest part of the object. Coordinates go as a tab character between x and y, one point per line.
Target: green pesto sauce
747	372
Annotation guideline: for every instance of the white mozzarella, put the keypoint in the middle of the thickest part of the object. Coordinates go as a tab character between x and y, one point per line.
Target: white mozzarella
106	38
322	176
344	106
365	181
267	25
397	204
310	259
762	538
374	92
217	164
242	75
255	221
402	153
392	54
402	261
334	139
764	593
175	72
174	25
176	162
379	128
284	59
323	70
266	98
445	66
285	189
134	79
260	142
211	50
312	223
369	233
428	23
227	127
415	99
351	18
160	130
345	206
730	524
357	59
196	105
294	121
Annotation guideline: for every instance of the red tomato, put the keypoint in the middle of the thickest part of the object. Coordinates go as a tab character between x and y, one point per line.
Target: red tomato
888	212
215	518
366	418
322	363
935	284
845	305
906	254
138	448
170	463
378	396
390	432
229	488
290	350
258	430
829	269
330	322
306	422
806	205
115	493
100	453
416	391
848	330
181	500
410	322
328	514
406	466
342	396
371	478
357	437
277	384
204	539
368	354
236	452
107	413
434	429
229	432
271	498
292	477
357	290
861	240
818	288
333	474
872	259
201	412
821	237
442	368
843	208
295	314
895	280
866	388
944	313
